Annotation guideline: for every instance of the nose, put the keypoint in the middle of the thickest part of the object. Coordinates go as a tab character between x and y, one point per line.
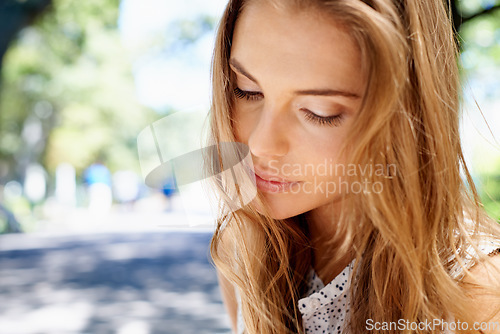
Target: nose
269	137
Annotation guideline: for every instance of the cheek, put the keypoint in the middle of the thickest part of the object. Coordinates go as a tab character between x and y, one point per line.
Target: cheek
321	147
242	126
321	155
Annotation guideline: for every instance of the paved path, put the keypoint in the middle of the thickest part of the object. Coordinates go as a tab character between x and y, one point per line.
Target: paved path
125	283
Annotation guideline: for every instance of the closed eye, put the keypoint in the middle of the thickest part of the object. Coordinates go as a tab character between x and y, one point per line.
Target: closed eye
334	120
247	95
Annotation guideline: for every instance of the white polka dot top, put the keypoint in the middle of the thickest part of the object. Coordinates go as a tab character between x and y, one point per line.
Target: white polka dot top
325	308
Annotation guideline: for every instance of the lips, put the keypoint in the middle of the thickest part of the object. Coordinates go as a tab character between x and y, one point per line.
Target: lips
270	177
272	183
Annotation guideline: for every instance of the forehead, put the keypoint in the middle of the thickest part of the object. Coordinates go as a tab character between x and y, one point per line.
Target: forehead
304	46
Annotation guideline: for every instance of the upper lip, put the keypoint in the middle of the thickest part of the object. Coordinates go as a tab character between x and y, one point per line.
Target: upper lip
269	176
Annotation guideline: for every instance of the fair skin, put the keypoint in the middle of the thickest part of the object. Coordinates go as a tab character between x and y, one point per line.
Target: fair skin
483	303
296	100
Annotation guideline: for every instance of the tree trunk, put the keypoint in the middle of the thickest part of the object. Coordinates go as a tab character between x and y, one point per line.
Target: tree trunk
15	15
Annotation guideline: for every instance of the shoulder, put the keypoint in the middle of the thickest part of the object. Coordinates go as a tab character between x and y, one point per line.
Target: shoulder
483	287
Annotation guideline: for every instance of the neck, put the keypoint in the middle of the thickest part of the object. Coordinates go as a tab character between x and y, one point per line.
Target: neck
327	236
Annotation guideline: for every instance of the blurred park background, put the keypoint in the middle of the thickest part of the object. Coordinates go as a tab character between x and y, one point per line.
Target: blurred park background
86	247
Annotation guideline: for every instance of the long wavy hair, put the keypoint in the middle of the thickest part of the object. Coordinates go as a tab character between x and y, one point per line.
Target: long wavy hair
413	241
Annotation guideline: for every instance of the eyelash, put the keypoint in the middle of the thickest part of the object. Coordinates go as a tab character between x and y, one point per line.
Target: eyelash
247	95
335	120
308	115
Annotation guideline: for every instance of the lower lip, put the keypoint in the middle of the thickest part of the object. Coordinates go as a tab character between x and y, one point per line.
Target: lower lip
273	186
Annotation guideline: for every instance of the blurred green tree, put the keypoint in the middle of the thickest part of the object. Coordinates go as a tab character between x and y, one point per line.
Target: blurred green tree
68	92
480	44
15	15
463	11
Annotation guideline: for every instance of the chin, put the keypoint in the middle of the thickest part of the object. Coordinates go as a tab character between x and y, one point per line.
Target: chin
281	215
282	208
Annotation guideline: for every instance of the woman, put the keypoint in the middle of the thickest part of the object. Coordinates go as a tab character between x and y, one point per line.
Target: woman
350	110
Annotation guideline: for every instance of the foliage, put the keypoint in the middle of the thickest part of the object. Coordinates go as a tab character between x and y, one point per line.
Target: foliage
480	39
489	187
481	42
68	93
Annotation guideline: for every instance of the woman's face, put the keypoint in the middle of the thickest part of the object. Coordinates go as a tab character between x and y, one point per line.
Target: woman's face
299	87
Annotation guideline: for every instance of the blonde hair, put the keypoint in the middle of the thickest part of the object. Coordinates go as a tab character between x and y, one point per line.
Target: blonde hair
412	241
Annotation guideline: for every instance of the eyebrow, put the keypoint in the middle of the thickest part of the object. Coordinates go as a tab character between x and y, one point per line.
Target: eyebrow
316	92
236	64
